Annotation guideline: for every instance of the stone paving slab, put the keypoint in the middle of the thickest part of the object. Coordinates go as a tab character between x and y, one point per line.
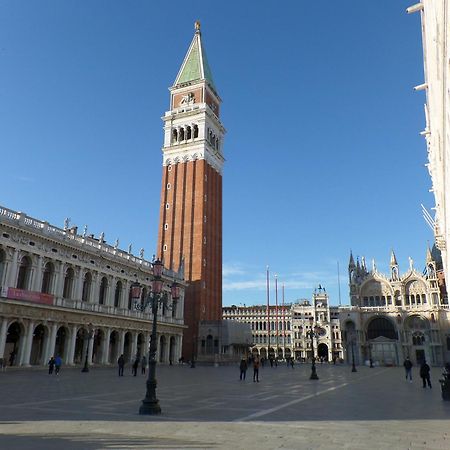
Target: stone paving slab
209	407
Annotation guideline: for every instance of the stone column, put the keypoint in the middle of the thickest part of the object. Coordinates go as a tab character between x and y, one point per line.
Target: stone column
90	348
3	331
27	343
78	284
134	346
93	295
49	351
71	349
105	347
111	291
121	342
37	282
60	281
125	293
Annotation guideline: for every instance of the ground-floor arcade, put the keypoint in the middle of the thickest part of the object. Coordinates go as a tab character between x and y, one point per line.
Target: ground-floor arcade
30	335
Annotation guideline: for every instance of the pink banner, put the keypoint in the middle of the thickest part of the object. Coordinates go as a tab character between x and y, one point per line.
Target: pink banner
29	296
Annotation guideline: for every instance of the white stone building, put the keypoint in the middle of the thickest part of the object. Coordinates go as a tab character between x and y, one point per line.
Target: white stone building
397	315
436	57
323	319
271	329
283	330
68	294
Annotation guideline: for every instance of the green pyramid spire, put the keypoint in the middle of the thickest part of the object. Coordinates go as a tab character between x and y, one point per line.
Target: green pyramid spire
195	66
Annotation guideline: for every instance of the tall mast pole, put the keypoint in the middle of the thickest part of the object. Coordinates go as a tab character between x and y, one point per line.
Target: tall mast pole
284	323
268	310
276	313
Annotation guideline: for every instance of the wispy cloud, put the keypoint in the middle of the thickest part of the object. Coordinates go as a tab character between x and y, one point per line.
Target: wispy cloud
26	179
240	277
233	269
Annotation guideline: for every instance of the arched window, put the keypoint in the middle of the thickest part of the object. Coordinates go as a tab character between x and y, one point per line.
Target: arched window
2	265
381	327
47	277
195	131
102	291
87	283
68	283
181	135
23	279
117	294
174	135
188	132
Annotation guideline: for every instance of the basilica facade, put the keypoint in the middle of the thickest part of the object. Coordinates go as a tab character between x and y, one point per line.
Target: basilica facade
397	315
69	294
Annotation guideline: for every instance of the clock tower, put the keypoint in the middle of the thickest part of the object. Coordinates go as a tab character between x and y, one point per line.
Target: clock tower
190	231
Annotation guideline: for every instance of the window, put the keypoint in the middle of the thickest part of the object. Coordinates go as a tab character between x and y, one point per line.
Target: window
166	226
167	205
68	283
23	279
169	168
47	278
165	248
118	294
87	283
195	131
102	291
168	186
2	265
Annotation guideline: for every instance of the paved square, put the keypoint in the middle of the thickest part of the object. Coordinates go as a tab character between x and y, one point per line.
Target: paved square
209	407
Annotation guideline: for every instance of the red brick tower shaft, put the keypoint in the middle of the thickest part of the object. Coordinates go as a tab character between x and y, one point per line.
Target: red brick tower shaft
191	193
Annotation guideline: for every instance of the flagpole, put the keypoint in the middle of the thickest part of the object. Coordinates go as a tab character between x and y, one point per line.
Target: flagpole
284	323
276	314
268	311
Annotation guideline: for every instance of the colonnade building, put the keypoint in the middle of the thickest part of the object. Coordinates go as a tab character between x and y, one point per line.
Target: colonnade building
283	331
68	294
397	315
436	55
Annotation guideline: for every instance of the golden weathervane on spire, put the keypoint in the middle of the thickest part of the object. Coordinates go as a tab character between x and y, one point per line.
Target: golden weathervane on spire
197	26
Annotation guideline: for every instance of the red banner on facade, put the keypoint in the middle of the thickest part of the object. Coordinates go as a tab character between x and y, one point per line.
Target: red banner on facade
29	296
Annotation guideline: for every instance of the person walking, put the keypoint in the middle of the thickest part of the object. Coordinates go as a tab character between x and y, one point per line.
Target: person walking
256	370
58	364
121	364
243	368
135	366
408	369
51	365
143	364
292	362
425	374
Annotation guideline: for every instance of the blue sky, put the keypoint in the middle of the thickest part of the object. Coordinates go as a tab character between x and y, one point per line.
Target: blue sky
323	148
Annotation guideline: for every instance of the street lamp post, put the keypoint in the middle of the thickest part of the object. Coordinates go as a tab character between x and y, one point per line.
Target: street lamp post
150	404
312	334
90	334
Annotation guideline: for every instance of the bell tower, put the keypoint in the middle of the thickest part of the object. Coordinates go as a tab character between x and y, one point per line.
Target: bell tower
190	231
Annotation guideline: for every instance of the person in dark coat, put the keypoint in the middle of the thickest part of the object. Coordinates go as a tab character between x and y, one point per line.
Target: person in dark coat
51	365
121	363
143	364
425	374
408	369
135	366
243	368
256	369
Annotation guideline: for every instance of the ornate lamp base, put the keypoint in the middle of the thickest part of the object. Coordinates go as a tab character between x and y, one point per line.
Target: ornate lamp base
149	407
